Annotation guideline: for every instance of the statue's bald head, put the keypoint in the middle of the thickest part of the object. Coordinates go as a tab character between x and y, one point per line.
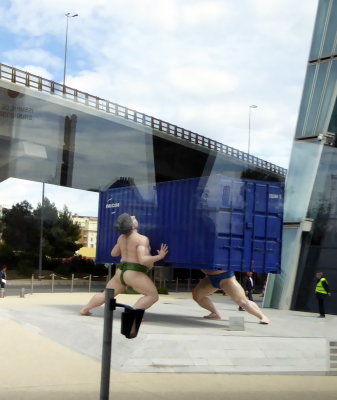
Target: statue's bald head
124	224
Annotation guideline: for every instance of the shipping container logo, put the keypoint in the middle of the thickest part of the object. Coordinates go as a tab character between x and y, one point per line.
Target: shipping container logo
111	205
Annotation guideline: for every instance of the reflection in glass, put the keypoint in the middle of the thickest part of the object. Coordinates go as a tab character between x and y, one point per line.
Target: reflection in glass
330	35
305	158
49	142
317	96
305	99
319	249
318	36
324	117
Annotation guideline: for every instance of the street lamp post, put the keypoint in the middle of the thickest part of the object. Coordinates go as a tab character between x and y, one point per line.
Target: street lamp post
250	109
68	15
41	234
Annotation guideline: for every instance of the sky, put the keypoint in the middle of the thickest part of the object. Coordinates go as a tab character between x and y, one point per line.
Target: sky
198	64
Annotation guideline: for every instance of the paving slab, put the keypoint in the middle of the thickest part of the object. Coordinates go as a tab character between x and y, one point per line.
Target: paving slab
178	354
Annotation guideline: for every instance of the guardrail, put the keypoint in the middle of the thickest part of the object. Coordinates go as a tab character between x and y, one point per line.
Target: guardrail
27	79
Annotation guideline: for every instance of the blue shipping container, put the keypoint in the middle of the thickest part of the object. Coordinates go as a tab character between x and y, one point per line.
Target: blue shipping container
208	223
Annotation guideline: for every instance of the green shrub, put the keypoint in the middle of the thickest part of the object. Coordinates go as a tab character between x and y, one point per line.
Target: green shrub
26	267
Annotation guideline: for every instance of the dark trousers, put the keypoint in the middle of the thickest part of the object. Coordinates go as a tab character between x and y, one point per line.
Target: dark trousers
250	295
321	298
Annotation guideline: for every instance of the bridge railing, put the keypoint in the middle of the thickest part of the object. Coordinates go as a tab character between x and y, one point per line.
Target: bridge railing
45	85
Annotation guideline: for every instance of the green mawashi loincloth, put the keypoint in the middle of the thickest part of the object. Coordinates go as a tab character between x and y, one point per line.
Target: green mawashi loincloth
127	266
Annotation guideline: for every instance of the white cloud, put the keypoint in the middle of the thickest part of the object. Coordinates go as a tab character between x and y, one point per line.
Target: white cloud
200	80
41	58
203	13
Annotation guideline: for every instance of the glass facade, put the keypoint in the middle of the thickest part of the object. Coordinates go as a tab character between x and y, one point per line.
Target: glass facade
319	247
60	136
310	231
56	141
45	141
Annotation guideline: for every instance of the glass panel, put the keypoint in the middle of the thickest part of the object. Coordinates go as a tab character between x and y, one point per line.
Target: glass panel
289	244
220	164
319	251
305	158
327	100
323	204
333	122
330	35
80	202
47	139
72	147
305	99
316	99
319	29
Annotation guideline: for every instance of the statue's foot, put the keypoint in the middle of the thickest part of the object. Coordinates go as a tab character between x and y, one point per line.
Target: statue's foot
84	311
212	316
264	321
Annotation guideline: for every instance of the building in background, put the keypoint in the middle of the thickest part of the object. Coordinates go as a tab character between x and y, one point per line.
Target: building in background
310	230
88	237
88	230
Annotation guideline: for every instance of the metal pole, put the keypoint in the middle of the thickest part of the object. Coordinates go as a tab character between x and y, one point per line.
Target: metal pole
189	280
41	234
89	289
32	285
250	109
52	282
72	283
106	351
66	46
65	52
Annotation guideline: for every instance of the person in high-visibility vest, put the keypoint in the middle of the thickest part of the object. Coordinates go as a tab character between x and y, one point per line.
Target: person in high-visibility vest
322	291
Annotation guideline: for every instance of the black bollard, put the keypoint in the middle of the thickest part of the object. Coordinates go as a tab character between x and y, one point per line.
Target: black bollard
107	336
130	323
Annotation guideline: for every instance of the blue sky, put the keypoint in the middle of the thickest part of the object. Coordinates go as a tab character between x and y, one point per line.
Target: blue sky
195	63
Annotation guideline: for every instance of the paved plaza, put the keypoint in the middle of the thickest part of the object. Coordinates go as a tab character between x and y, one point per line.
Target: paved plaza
48	347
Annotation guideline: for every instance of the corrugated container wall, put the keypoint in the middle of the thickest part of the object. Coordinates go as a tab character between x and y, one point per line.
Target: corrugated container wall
208	223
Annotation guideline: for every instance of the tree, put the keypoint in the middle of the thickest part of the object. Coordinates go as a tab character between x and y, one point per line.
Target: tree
60	233
20	227
21	230
61	237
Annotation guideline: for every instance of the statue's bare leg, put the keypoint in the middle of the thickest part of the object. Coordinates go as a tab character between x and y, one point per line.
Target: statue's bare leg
99	298
237	294
142	284
200	293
